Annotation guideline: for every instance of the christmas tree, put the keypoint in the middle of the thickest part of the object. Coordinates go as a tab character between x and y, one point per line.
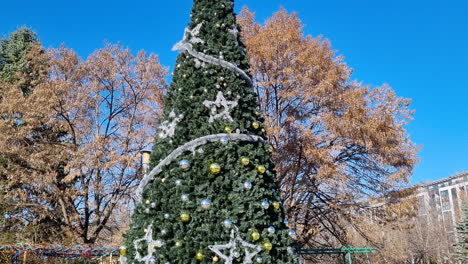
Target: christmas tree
462	236
211	195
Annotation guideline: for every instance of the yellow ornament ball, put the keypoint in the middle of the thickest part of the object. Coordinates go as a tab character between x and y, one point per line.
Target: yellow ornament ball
228	129
244	161
215	168
123	250
199	255
255	125
261	168
184	217
276	205
267	245
215	259
178	244
255	235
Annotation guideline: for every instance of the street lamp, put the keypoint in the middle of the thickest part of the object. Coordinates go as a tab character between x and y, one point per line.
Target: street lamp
145	160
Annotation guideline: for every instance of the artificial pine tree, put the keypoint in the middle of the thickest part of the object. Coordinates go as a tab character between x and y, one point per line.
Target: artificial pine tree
211	195
462	236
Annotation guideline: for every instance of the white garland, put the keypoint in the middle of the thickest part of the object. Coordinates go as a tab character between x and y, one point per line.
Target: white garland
214	105
189	146
250	250
185	45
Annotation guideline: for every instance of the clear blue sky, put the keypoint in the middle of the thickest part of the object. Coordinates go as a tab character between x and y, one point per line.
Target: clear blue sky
418	47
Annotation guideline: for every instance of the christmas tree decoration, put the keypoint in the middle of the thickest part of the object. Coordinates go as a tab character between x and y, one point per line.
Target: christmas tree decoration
255	125
184	217
259	260
245	161
267	245
254	235
215	168
224	140
209	136
220	102
205	203
228	129
261	168
276	205
199	255
292	233
227	223
271	229
184	164
123	250
250	250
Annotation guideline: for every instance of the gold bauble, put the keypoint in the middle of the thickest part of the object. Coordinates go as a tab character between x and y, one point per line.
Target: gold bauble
178	244
255	125
276	205
244	161
261	168
228	129
267	245
184	217
269	148
255	235
215	168
199	255
123	250
215	259
148	202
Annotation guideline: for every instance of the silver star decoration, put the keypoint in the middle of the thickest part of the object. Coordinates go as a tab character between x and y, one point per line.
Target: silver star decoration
151	244
250	250
220	101
168	128
194	32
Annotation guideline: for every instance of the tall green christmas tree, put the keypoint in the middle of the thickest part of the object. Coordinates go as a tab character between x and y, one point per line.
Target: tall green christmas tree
462	236
211	195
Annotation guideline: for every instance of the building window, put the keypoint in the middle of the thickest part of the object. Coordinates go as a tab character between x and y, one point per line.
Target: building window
444	197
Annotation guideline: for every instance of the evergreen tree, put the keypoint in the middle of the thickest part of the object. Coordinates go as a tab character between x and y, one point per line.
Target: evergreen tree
13	51
211	195
462	234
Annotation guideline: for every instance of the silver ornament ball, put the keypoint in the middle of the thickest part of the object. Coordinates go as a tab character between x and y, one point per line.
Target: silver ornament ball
248	185
292	233
265	204
271	229
163	231
224	140
236	254
205	203
167	215
184	197
259	259
227	223
153	205
184	164
178	182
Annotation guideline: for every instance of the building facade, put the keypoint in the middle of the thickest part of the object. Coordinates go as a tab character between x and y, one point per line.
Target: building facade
442	201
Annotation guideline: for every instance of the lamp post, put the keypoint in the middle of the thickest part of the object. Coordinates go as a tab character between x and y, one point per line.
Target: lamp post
145	160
